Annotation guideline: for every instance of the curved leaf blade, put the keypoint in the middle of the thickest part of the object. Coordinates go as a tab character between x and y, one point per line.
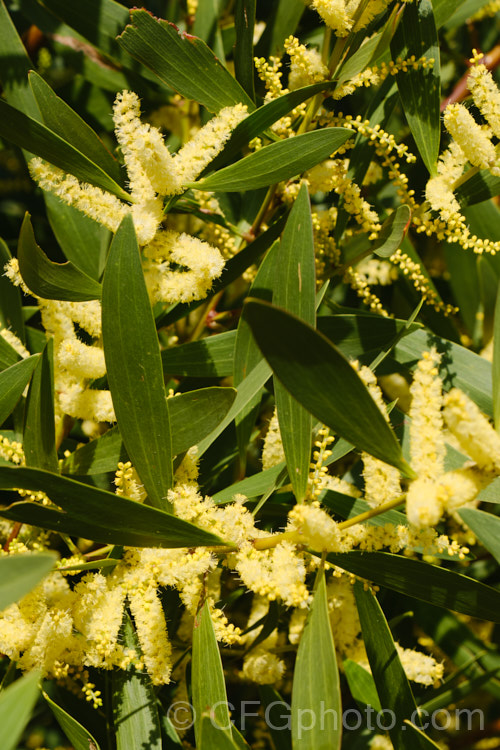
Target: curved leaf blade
135	710
424	581
209	688
11	309
181	61
393	230
51	280
66	123
276	162
80	738
316	682
39	434
31	135
16	704
485	526
323	381
392	684
419	88
13	381
114	519
295	291
19	574
133	364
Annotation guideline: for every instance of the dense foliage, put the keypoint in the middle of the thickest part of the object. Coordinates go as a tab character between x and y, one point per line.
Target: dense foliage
249	374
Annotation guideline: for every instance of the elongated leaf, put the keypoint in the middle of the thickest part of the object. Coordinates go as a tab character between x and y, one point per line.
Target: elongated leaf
479	187
8	355
16	704
323	381
295	289
252	486
11	310
39	435
14	67
277	162
19	574
212	735
135	711
211	357
392	684
79	737
133	364
392	232
246	392
277	717
244	21
13	381
486	527
83	241
247	355
52	280
61	119
182	61
232	270
116	520
424	581
209	689
316	682
262	118
40	140
361	685
495	370
194	415
419	88
285	15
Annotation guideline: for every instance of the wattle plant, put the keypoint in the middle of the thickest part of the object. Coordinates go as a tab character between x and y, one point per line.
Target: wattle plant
249	375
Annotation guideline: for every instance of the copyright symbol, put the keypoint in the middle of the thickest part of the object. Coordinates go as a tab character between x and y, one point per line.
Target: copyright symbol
182	715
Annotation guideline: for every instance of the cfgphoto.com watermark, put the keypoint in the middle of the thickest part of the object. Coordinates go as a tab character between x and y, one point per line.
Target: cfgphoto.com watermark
278	717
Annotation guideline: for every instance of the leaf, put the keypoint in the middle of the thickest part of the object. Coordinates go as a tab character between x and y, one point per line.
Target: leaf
246	391
211	357
392	684
39	434
212	736
79	737
323	381
393	230
14	67
11	310
294	291
244	21
208	686
361	685
66	123
50	280
16	705
252	486
262	118
181	61
135	711
485	526
277	713
8	355
495	367
83	241
285	16
246	353
480	186
31	135
116	520
196	414
13	381
424	581
19	574
316	682
276	162
419	88
193	415
133	364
